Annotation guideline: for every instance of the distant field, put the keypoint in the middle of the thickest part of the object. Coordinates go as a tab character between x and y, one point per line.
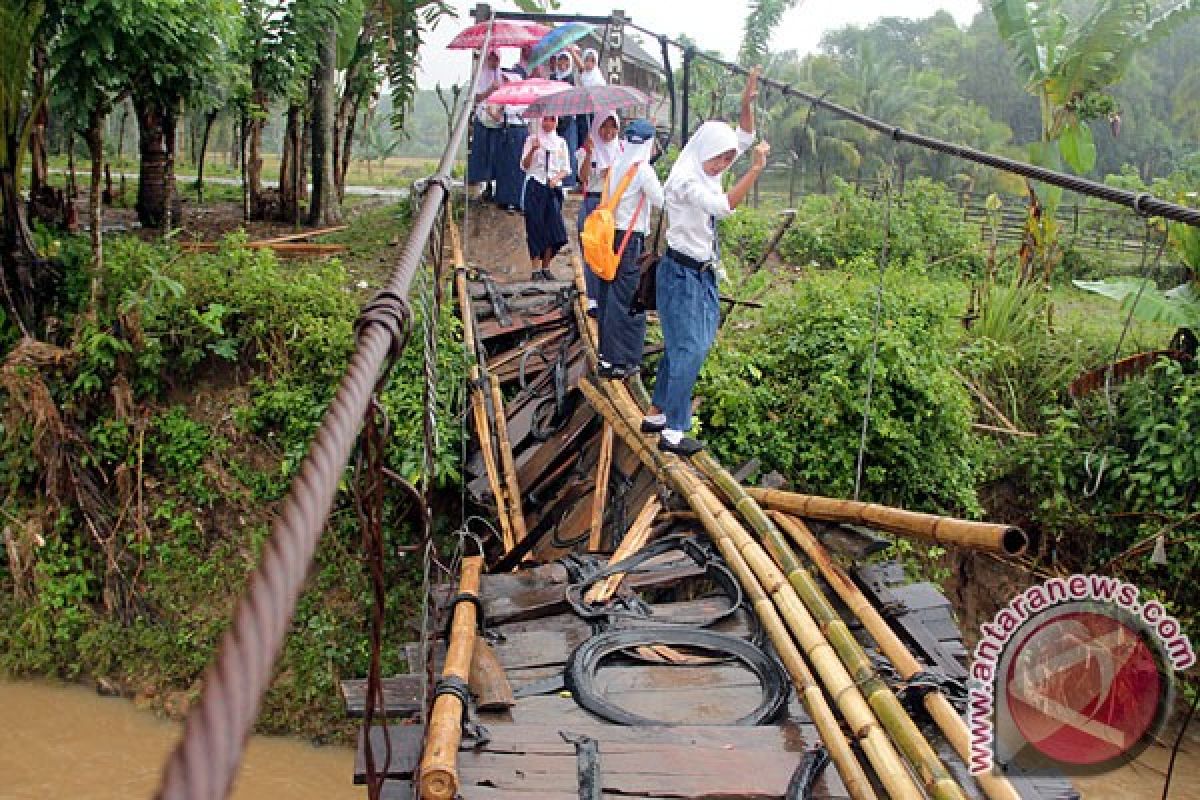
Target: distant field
391	173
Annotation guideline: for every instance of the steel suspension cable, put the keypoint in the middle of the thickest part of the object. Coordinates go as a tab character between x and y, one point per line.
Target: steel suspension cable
1142	202
205	761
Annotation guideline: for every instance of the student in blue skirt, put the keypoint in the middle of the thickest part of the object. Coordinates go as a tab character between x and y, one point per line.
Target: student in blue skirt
622	333
510	145
688	307
601	147
546	162
488	120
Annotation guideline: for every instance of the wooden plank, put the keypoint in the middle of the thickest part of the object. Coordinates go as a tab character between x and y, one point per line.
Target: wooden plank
489	329
534	603
401	696
520	414
399	747
302	235
881	584
282	248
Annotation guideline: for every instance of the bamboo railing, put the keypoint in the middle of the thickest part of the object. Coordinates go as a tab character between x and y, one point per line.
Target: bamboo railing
438	775
995	786
479	401
1005	539
753	567
916	748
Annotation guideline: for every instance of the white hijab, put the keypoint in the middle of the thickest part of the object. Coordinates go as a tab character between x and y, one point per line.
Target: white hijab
592	77
604	153
712	139
630	155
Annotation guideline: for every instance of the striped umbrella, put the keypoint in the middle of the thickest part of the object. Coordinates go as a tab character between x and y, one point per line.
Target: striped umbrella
588	100
504	34
556	40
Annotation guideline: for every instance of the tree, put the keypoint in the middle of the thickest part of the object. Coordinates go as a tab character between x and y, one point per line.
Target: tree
761	22
90	77
19	22
171	50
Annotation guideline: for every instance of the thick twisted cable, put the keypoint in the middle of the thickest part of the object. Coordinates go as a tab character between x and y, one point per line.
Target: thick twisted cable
1143	203
204	763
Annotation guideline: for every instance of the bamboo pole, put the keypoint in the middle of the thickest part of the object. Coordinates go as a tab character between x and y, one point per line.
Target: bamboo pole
508	467
587	326
600	491
478	403
1005	539
635	539
740	550
995	786
887	707
439	761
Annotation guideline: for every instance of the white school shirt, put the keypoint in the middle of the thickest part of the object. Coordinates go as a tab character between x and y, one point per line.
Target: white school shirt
692	209
487	79
560	160
645	181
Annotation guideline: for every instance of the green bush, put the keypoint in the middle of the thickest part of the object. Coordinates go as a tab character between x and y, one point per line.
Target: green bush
927	233
1100	484
790	389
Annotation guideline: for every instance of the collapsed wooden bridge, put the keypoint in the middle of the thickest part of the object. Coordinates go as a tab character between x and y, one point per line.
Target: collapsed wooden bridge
718	666
660	637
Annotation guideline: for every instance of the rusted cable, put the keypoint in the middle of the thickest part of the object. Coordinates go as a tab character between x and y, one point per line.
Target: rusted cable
204	763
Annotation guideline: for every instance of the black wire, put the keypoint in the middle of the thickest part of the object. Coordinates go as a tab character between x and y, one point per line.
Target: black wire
1178	741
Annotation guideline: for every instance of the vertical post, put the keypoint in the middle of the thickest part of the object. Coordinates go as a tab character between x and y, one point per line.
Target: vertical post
482	12
670	78
687	88
614	48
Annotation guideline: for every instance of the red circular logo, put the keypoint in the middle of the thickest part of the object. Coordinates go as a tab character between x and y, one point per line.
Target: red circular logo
1084	688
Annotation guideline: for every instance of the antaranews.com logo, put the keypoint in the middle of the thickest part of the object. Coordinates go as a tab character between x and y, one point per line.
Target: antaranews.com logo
1074	674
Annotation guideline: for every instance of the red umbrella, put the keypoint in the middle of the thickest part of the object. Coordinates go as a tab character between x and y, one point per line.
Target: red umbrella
521	93
504	34
588	100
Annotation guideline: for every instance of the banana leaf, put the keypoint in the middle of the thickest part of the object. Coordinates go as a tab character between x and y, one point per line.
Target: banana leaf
1179	306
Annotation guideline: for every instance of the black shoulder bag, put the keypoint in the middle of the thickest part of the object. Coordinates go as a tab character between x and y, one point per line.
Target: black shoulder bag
645	298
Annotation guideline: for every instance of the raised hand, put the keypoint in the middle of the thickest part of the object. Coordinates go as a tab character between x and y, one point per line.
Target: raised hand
759	155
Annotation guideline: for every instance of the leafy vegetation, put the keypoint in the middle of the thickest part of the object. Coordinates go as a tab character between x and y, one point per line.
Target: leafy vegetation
230	359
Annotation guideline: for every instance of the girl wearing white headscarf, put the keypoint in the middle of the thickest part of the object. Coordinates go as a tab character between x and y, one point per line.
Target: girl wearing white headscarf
623	333
600	148
562	68
589	70
481	161
546	163
688	307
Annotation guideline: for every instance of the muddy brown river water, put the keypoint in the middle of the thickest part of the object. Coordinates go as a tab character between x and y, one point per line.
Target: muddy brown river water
61	741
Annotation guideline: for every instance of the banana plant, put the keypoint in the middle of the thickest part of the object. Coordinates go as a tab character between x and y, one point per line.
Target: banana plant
1179	306
1068	65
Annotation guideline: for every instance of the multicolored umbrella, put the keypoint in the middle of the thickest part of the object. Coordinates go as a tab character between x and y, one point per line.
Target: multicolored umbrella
558	39
588	100
504	34
520	93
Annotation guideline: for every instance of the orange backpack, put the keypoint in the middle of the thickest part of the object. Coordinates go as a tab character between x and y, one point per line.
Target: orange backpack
600	227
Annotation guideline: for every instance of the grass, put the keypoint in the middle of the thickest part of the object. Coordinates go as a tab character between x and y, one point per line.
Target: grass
395	172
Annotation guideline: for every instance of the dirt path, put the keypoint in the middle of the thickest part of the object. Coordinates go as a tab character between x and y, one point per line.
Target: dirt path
495	241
